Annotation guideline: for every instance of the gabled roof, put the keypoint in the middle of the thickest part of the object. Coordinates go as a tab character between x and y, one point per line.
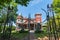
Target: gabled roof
18	17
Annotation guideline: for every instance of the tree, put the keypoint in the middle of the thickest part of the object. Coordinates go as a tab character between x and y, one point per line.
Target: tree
11	6
13	2
56	6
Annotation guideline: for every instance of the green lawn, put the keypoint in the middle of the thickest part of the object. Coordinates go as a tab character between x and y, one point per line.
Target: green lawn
43	34
19	35
40	35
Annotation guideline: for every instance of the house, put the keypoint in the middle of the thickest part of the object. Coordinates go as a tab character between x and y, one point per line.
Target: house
29	23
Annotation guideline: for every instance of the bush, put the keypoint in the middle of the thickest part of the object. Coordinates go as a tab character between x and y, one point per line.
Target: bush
38	31
0	28
23	31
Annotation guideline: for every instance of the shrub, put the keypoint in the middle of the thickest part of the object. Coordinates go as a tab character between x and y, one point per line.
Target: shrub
23	31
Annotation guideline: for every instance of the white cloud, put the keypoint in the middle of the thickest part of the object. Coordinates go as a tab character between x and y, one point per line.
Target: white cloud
34	2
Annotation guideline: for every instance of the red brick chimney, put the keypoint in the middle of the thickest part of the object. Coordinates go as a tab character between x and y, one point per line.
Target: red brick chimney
38	18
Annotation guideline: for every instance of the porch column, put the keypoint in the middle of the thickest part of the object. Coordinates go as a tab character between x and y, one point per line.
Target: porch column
34	26
27	26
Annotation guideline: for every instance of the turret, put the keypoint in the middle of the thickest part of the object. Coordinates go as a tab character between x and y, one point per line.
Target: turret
19	18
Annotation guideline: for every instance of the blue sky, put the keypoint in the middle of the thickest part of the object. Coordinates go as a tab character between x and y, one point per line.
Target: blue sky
34	7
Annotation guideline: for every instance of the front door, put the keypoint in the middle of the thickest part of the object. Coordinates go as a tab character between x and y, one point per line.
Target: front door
32	27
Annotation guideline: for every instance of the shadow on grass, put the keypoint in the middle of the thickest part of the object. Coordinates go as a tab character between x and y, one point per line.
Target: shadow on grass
14	36
40	34
20	35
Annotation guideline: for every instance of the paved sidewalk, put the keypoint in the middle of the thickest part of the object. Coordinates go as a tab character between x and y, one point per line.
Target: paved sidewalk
30	36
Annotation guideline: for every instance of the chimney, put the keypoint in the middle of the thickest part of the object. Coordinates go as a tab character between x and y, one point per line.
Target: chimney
38	18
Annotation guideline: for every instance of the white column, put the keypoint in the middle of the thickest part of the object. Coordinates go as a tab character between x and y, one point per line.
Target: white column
27	26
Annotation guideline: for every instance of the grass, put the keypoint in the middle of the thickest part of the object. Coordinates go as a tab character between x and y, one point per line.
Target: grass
40	35
44	33
16	35
19	35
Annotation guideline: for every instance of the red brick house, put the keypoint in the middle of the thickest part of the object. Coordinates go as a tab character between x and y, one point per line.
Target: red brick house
23	22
